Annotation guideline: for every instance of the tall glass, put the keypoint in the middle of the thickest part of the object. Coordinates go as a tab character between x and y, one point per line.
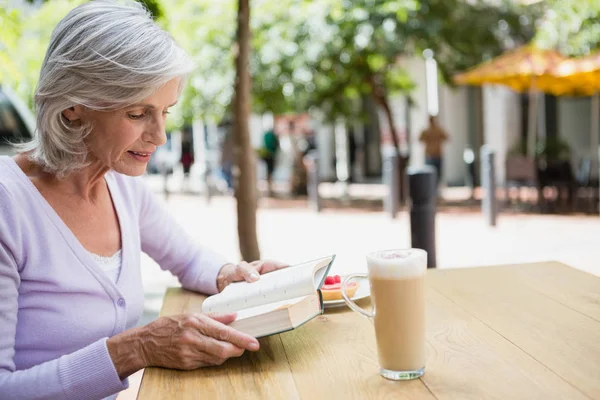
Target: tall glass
397	280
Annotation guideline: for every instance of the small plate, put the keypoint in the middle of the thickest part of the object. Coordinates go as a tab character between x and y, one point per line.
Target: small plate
362	292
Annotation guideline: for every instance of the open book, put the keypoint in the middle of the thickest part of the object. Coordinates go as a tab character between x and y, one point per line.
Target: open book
279	301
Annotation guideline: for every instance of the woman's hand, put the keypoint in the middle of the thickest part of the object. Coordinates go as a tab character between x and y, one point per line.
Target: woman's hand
244	271
180	342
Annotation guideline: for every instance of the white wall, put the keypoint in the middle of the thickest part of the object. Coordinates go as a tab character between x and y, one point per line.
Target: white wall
454	118
325	143
574	124
257	125
501	127
419	117
398	108
574	120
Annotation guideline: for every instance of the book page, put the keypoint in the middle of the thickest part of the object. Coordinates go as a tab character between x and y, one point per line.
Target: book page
287	283
267	308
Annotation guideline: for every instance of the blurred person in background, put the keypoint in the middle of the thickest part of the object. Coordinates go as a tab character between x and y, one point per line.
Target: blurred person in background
268	153
228	157
434	137
187	155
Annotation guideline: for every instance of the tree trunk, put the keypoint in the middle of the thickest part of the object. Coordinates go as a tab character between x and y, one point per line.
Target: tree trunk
380	97
383	101
246	191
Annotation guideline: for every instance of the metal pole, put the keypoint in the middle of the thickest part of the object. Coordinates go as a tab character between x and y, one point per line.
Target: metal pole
312	167
391	179
207	177
489	204
164	172
422	189
595	121
531	123
594	126
469	159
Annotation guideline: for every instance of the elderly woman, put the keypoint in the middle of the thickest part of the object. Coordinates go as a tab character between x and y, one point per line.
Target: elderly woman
74	216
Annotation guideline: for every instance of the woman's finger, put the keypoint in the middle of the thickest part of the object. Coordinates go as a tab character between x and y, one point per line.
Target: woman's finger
210	326
204	359
225	319
246	272
265	266
216	350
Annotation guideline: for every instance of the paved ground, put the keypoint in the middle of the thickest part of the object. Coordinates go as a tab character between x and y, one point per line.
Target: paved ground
288	231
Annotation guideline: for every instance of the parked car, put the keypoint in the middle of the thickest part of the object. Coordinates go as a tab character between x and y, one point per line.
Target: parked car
17	122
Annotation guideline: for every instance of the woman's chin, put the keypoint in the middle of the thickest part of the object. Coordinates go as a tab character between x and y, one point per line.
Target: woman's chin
130	170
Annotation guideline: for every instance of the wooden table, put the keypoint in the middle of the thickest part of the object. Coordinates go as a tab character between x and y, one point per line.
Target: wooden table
528	331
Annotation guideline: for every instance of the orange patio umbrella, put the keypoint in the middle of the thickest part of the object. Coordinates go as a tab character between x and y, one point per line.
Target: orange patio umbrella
576	76
526	68
520	69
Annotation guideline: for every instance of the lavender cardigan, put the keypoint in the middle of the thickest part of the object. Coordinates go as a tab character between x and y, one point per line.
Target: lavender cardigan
57	308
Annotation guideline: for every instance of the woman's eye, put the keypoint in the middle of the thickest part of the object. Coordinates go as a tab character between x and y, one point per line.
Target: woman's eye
165	113
135	116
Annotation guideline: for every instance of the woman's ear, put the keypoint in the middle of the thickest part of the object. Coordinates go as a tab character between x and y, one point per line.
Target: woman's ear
70	114
73	114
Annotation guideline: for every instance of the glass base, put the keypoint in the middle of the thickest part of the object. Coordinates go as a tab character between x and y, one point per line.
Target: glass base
401	375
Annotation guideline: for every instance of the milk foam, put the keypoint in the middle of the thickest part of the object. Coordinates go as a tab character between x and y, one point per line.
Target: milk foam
397	264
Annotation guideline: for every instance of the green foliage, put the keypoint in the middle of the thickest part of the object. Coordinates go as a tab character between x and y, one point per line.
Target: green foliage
463	34
553	148
572	26
31	30
206	30
25	36
330	54
10	32
154	7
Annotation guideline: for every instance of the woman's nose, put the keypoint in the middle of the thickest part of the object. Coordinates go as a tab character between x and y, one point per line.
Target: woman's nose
156	133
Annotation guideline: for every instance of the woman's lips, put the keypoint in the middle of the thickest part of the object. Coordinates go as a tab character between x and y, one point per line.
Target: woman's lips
140	156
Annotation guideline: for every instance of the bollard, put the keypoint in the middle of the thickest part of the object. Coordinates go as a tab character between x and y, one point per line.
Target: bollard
422	191
208	183
312	167
392	181
164	172
469	159
489	205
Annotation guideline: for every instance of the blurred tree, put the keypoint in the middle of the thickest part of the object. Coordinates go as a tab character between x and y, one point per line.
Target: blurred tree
462	33
206	30
153	6
10	32
330	54
571	26
246	190
30	28
220	85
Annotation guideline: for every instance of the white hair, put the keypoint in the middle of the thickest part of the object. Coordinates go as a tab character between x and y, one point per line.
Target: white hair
104	55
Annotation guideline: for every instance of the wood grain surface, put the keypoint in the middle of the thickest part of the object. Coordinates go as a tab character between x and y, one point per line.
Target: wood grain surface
529	331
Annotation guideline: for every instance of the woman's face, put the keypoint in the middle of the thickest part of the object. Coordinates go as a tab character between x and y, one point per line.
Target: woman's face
124	140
